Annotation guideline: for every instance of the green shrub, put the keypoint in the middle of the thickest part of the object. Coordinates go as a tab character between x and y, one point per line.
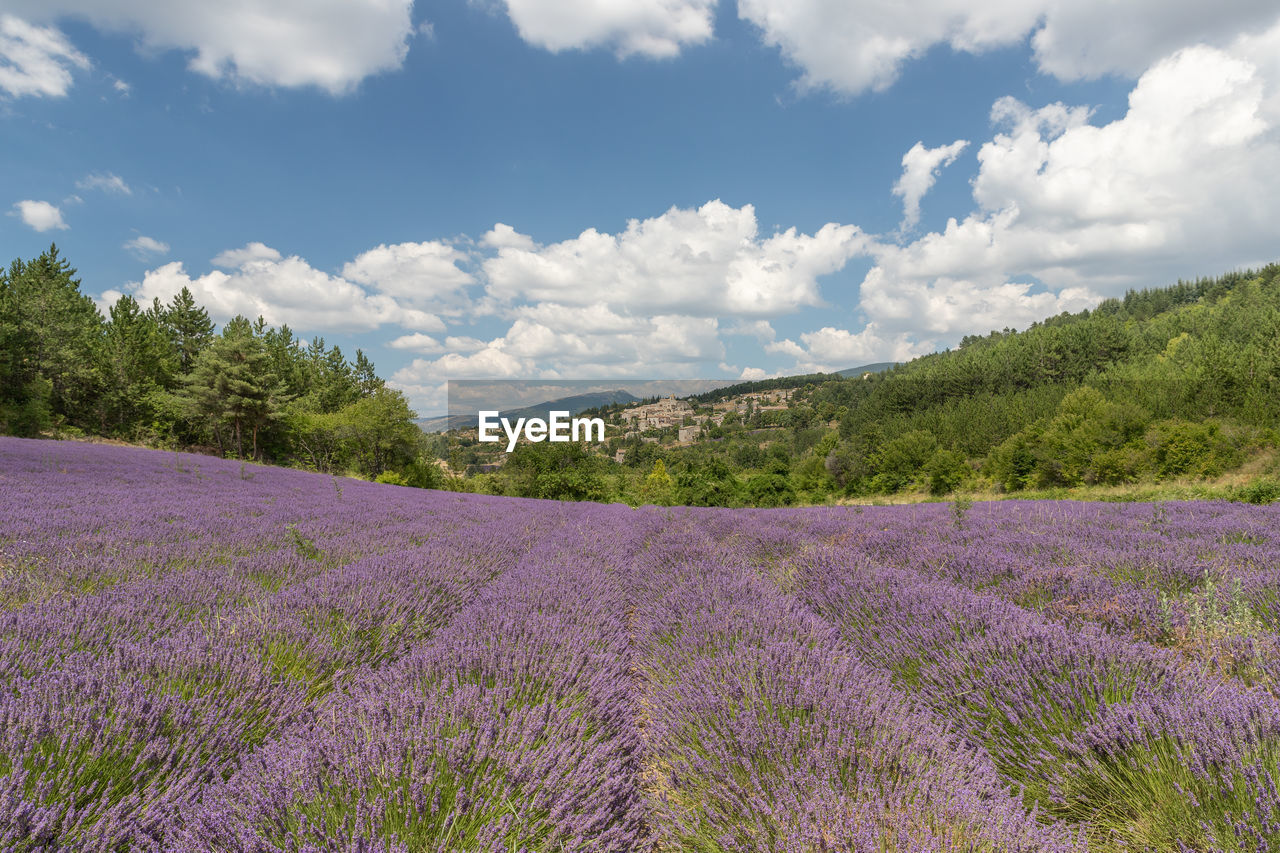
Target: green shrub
1184	448
1116	466
1012	464
770	489
946	470
901	458
1264	490
423	474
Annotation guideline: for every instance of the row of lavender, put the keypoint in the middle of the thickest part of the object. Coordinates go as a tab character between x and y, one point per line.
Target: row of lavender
122	704
198	655
1143	745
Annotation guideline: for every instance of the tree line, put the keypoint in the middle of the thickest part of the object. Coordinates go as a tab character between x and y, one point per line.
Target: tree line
1166	383
163	374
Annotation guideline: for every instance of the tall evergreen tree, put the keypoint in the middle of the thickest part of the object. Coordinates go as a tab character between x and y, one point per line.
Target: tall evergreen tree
366	378
233	387
49	334
189	328
137	359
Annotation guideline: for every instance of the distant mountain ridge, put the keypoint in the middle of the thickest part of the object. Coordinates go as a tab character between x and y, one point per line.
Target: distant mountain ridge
878	367
573	405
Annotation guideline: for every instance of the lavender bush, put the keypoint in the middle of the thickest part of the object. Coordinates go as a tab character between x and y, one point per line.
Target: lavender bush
203	655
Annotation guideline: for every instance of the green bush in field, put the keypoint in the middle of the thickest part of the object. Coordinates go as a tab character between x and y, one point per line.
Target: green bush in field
946	470
1180	448
1262	491
901	458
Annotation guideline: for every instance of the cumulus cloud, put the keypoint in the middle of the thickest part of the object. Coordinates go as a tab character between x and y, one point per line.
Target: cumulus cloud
705	262
853	47
40	215
1068	211
418	342
329	44
761	330
426	274
262	282
36	61
652	28
144	246
107	182
1088	39
245	255
920	167
503	236
829	349
665	345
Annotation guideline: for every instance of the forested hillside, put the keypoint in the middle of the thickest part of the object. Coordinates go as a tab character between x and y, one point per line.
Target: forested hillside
162	374
1180	384
1163	383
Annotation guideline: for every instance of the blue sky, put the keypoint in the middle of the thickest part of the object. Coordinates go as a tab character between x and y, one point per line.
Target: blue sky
584	189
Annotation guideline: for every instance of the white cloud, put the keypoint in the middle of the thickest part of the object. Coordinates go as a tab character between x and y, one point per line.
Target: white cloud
248	254
423	274
417	342
653	28
455	343
427	345
829	349
329	44
488	363
853	47
107	182
36	60
752	373
597	318
705	262
648	300
283	290
503	236
920	167
40	215
144	246
761	330
1089	39
665	345
1186	183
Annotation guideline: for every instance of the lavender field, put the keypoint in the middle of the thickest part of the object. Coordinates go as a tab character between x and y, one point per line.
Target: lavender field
201	655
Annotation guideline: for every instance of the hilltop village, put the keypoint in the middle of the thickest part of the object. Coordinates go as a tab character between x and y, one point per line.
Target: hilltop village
666	421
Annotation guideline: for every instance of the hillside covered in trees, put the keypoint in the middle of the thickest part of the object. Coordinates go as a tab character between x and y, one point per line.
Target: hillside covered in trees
1179	384
161	374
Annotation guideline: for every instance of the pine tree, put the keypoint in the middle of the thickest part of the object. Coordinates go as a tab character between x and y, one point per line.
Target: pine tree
232	386
50	330
189	328
137	359
366	378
